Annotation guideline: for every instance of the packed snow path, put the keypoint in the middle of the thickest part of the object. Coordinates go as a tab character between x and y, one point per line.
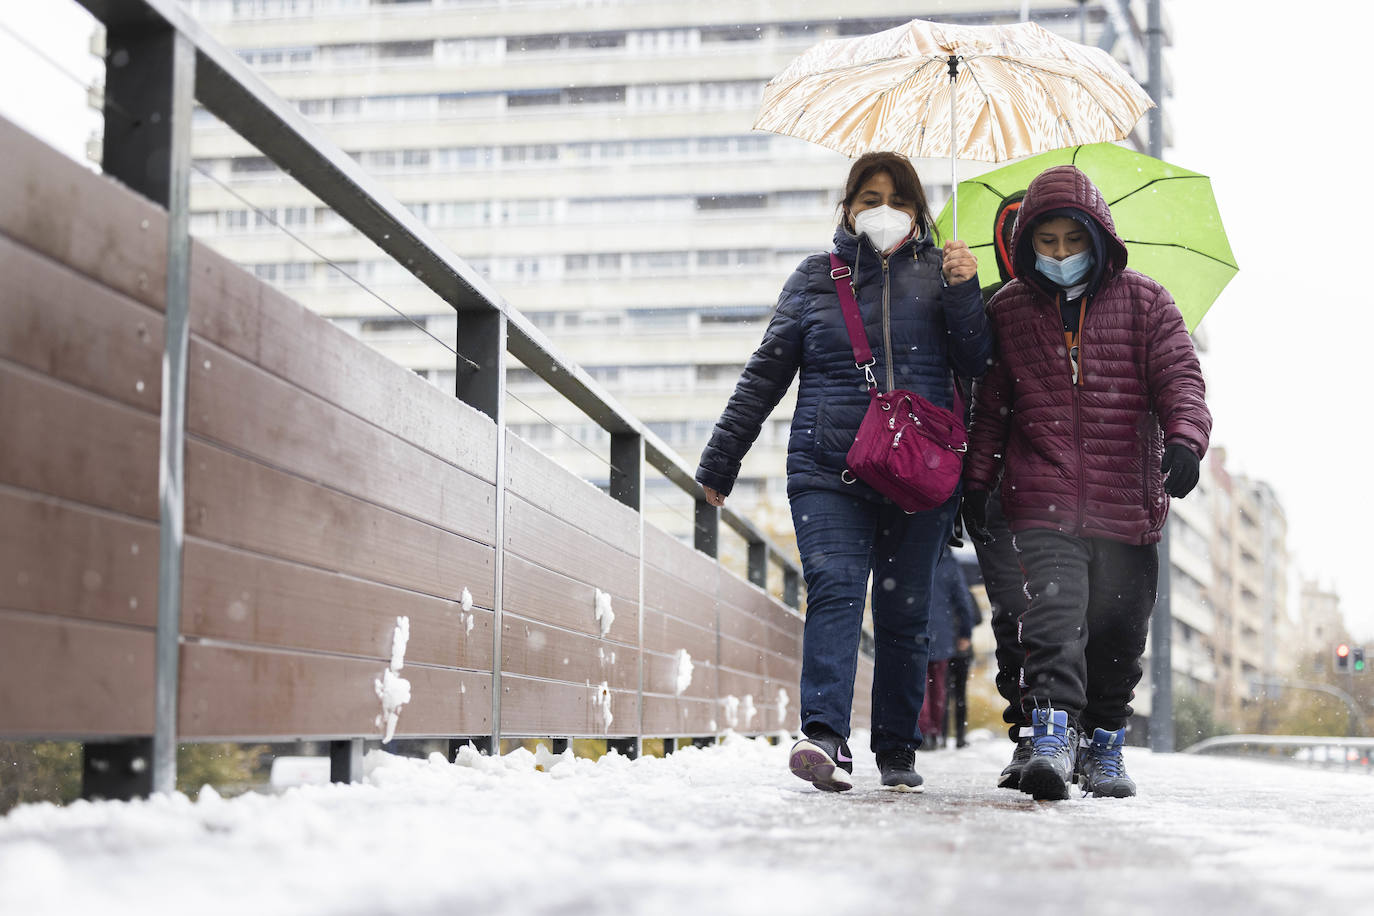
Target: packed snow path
724	830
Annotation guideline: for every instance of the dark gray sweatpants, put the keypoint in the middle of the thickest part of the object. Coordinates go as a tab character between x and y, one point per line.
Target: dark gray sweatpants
1084	630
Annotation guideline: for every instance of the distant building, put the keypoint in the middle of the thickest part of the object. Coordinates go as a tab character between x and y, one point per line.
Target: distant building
1323	627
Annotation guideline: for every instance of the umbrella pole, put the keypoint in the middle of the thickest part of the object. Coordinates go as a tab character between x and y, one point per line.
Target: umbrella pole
953	146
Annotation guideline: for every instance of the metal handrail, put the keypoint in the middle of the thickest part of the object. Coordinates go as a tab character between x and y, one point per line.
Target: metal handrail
1279	742
230	90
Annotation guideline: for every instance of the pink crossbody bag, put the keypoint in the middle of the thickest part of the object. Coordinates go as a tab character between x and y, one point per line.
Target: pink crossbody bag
908	449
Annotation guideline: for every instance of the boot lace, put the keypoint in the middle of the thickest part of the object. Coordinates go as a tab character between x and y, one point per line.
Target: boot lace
1107	762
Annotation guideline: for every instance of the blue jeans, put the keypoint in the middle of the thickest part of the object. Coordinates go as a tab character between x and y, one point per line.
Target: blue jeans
842	539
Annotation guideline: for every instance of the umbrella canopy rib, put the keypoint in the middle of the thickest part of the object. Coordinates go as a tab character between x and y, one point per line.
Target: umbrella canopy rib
1202	254
1154	181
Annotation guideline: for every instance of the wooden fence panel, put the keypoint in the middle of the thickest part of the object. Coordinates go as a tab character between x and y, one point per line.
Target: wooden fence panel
533	649
676	717
64	678
570	550
546	485
237	502
235	596
64	442
96	226
240	693
66	560
254	321
233	403
536	593
534	707
66	326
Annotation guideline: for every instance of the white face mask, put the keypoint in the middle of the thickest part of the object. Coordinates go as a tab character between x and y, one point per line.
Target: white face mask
884	226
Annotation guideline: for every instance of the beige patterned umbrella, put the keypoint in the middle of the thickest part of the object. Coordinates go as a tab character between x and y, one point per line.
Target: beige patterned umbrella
1002	91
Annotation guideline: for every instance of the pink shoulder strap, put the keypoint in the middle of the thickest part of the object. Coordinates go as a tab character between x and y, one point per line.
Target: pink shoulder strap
853	321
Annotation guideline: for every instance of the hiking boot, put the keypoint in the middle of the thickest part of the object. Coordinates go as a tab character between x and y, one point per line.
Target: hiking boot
1054	742
1011	773
898	769
822	758
1101	767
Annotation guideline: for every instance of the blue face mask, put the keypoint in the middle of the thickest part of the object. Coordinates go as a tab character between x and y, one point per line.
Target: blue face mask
1068	271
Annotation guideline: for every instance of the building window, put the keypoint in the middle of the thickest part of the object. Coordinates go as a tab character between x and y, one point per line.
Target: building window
732	202
391	50
717	34
596	95
533	98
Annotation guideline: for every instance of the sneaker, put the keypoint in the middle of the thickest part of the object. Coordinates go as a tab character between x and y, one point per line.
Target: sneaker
823	759
1011	773
1101	768
1049	770
898	769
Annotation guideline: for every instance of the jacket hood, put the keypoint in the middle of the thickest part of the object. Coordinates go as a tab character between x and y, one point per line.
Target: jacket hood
1066	188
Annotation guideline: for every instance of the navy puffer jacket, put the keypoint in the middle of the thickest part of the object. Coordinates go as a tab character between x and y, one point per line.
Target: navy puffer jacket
932	328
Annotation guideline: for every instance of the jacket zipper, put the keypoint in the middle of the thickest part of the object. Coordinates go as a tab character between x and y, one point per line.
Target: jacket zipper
887	328
1082	473
1076	383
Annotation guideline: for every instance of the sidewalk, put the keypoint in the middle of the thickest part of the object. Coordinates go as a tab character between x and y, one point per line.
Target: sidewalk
724	830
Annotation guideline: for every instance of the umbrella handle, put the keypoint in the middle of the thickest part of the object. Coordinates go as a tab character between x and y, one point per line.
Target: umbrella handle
953	147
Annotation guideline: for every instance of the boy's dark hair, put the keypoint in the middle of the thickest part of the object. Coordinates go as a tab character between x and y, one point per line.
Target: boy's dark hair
905	183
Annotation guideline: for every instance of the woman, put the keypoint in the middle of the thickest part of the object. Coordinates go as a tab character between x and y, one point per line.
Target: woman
1095	394
923	313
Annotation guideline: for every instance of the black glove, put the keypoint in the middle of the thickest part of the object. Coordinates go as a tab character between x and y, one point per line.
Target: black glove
1180	467
975	513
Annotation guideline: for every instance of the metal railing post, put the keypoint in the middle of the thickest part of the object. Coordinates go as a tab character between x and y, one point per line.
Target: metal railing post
791	588
150	90
346	760
706	530
758	564
627	469
627	486
480	382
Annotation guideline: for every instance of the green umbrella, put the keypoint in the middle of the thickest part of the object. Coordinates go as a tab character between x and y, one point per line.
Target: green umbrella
1166	215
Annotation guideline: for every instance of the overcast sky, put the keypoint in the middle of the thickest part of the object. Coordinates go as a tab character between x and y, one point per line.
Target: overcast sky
1278	124
1271	106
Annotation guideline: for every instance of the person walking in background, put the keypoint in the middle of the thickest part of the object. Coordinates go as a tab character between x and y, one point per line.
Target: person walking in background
923	313
953	615
1095	409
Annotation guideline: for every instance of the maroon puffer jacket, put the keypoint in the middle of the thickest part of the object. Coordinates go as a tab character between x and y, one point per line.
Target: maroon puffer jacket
1084	459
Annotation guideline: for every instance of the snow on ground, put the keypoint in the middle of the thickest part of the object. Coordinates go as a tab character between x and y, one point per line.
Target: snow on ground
724	830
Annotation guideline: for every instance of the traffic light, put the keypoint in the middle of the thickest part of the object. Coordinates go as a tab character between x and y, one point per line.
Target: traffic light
1357	659
1343	657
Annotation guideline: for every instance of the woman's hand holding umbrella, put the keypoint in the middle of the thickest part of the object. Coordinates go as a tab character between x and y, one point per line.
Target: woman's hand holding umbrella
960	264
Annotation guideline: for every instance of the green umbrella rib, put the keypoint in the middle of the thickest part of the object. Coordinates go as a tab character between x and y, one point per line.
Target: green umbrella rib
1154	181
1201	254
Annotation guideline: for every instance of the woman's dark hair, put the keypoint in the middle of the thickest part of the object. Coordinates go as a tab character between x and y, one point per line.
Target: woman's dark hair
905	183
